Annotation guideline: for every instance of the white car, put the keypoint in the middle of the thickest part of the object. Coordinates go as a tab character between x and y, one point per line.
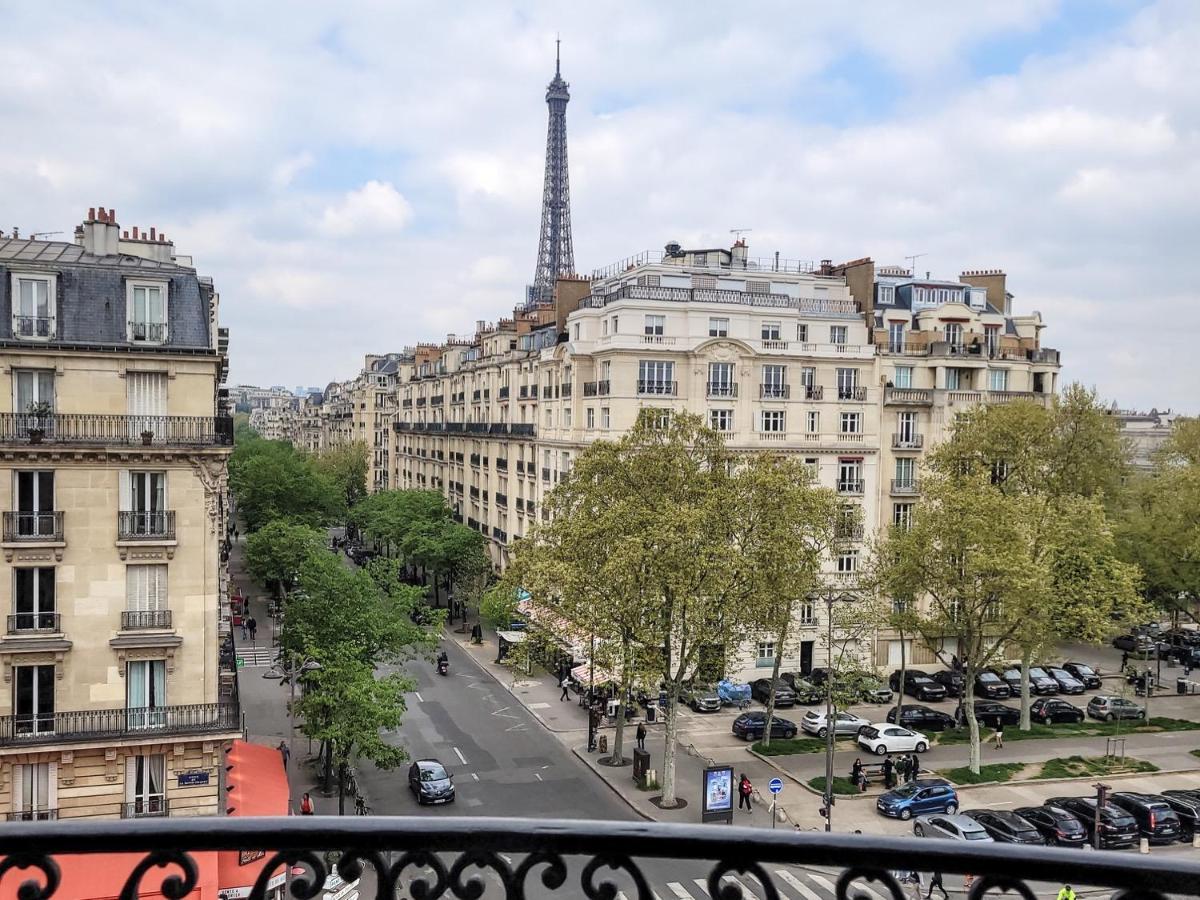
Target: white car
954	827
884	737
844	723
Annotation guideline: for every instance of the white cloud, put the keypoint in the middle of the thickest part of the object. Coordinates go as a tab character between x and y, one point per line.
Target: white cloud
376	206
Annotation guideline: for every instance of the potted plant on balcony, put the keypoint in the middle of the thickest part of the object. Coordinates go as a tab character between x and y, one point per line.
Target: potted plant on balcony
38	411
147	437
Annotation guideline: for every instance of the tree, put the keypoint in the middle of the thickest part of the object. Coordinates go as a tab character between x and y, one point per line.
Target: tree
348	467
276	553
347	707
271	480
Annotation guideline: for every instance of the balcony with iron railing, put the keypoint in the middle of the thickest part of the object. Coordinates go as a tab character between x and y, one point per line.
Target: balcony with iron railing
146	808
850	486
814	392
905	487
85	429
908	441
148	332
33	327
854	392
722	389
106	724
32	815
33	527
657	388
467	858
522	429
137	525
35	623
145	619
894	396
774	391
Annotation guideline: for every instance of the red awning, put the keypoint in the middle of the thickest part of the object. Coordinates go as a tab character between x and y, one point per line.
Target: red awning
258	786
101	876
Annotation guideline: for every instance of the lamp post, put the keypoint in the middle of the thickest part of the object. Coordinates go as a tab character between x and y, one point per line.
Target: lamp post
830	598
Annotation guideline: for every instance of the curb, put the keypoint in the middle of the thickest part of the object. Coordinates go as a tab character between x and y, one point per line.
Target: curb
612	787
805	785
968	787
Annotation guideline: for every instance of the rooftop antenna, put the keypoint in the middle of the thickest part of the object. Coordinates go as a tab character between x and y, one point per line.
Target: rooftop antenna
38	234
912	263
738	232
557	48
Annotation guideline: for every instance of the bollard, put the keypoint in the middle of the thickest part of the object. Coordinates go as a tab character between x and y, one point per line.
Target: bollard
1196	840
1144	845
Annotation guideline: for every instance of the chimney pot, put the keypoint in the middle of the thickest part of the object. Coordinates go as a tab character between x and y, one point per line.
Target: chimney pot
101	215
126	235
152	232
135	232
112	215
91	213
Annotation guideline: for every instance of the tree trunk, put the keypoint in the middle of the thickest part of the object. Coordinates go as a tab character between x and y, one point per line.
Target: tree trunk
766	738
618	744
437	600
341	789
972	722
1026	658
327	755
900	686
668	778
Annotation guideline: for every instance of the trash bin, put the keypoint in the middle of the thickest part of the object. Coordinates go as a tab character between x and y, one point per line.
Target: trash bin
641	764
652	714
1181	685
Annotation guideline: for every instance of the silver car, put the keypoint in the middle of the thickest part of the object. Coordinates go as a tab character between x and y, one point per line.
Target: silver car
845	724
956	828
1106	708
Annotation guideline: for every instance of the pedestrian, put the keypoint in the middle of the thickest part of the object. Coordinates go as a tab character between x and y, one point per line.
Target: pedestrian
856	772
286	752
745	789
998	735
641	735
936	882
235	533
902	769
889	769
914	767
252	624
1066	893
1124	661
245	634
306	805
968	880
565	684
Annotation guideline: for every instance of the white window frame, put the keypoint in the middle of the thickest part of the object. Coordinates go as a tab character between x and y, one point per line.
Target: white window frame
590	417
656	325
765	654
802	332
852	423
902	377
720	419
812	422
838	334
718	327
952	333
771	331
896	337
902	514
847	562
51	282
131	287
605	417
772	421
997	379
38	379
887	295
153	802
906	471
28	774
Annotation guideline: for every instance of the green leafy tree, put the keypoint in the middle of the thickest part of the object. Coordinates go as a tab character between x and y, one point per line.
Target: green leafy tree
276	553
348	467
270	480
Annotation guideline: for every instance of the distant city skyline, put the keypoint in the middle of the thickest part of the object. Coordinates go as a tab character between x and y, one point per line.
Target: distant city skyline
348	198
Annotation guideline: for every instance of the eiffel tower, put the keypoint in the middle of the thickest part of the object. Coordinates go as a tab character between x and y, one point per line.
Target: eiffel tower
556	258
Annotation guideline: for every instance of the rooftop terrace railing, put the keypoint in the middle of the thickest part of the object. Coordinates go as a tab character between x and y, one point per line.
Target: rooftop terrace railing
513	859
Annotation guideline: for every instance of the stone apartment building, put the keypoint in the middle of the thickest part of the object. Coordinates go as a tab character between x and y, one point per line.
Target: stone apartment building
115	447
856	368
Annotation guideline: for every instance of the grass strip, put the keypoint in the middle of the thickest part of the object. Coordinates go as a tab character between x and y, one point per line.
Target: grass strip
1089	767
788	746
990	772
840	785
1082	729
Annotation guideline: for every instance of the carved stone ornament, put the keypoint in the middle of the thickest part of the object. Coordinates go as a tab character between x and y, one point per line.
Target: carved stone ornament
212	475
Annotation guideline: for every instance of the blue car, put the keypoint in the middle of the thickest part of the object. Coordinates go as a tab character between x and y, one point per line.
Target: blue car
917	798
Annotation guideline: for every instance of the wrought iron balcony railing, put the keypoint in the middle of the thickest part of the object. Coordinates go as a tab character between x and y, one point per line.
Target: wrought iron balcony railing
722	389
150	332
133	525
89	429
33	526
35	623
146	808
33	327
908	441
512	859
774	391
33	815
140	619
667	388
103	724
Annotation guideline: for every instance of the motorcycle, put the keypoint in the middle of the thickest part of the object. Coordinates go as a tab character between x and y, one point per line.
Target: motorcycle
443	667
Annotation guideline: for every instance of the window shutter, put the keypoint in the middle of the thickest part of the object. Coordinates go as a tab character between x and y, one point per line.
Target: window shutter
125	490
52	786
881	653
130	778
18	786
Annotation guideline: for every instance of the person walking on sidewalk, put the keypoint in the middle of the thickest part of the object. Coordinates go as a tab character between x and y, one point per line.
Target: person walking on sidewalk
306	805
998	735
745	789
888	769
1066	893
565	684
641	735
936	882
252	624
286	752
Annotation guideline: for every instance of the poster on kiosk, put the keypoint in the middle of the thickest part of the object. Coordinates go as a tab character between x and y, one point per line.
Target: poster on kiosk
718	795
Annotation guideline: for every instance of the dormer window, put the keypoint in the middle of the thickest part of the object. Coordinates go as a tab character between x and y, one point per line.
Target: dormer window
33	306
147	302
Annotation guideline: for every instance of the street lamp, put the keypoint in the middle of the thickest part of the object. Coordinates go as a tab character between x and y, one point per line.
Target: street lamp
830	597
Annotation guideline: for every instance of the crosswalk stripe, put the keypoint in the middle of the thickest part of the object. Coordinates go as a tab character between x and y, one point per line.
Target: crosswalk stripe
869	891
679	891
746	892
702	884
823	882
798	886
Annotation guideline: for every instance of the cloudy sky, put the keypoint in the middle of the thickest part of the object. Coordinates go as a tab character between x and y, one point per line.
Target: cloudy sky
363	175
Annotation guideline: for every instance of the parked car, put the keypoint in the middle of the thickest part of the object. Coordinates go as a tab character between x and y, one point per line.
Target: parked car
1057	826
954	682
1106	708
1138	643
701	698
1157	821
956	828
1117	827
917	684
1178	637
913	716
1067	683
805	691
876	692
749	726
845	723
925	795
1005	827
991	686
784	695
1039	681
1051	711
883	737
1187	806
992	714
430	782
817	676
1085	673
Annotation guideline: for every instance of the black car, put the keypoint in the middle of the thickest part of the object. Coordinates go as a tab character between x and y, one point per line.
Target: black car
1117	827
1141	645
1067	683
818	676
1051	711
430	782
784	695
1043	685
1085	673
918	684
1056	825
804	691
954	682
1157	821
921	718
1182	637
992	714
991	686
1006	827
749	726
1187	806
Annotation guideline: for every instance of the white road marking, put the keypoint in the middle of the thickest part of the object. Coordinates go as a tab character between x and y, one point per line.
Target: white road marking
462	759
473	775
702	884
621	896
417	694
546	766
518	727
538	705
679	891
823	882
869	891
506	858
538	776
654	894
798	886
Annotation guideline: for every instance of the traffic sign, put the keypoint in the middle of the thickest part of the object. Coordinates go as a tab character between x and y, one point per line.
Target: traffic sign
776	785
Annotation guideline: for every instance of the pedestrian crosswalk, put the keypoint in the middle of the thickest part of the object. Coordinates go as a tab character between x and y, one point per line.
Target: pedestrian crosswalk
256	656
789	885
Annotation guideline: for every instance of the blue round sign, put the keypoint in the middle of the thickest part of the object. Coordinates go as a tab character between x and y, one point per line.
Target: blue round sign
776	785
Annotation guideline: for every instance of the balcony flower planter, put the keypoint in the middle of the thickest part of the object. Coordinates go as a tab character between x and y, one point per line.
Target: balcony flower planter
147	437
36	435
38	412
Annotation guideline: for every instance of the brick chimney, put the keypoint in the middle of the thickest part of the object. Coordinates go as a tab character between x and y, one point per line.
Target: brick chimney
101	232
